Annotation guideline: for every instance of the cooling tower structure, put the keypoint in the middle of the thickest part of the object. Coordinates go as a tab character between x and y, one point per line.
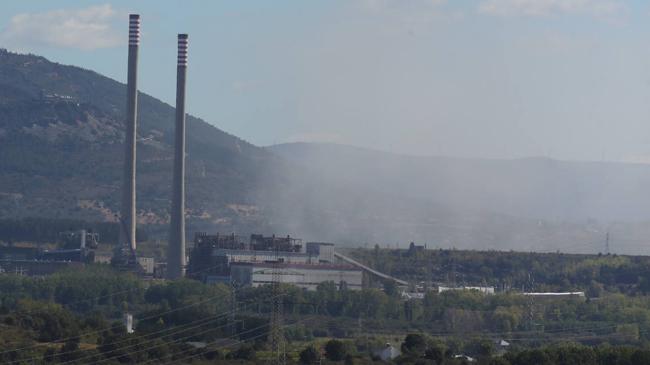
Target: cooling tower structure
128	212
176	249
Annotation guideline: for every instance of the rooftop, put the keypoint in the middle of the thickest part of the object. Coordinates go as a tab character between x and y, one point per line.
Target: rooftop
298	266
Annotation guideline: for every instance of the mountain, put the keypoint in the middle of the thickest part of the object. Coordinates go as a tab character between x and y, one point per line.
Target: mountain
61	148
535	204
532	187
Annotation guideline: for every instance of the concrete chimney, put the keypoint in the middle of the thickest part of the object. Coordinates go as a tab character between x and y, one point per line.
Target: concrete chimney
128	213
176	249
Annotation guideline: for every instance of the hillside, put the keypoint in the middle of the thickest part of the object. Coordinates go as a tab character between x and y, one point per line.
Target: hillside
61	147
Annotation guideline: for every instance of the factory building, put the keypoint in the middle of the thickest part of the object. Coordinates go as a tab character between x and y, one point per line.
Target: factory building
79	248
306	276
322	250
229	258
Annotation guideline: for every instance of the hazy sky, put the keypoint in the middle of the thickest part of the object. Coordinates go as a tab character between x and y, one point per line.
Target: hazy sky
567	79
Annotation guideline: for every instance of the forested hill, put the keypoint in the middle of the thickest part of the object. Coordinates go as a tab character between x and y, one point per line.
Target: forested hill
61	148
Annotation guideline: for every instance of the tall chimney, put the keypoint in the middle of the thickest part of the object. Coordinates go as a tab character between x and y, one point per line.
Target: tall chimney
176	249
128	215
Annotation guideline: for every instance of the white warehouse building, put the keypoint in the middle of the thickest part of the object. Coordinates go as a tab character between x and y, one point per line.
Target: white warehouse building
306	276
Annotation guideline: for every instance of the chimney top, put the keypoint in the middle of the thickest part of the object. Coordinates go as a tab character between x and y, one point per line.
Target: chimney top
182	49
134	29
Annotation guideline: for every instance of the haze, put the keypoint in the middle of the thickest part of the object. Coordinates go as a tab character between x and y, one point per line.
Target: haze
482	78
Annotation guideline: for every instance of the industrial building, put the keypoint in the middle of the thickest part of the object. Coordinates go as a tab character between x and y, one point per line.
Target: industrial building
79	248
324	251
306	276
229	258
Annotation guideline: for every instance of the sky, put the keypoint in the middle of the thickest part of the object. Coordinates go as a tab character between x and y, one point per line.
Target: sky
565	79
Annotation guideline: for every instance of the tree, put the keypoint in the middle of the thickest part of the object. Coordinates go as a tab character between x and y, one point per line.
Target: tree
245	352
390	288
349	359
309	355
498	361
335	350
506	319
436	352
70	350
49	355
414	344
536	356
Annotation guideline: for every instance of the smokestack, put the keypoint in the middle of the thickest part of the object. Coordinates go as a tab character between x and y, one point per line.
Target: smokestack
127	233
176	249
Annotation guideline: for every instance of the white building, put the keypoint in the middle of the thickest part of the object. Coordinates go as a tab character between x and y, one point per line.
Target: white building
482	289
147	264
412	295
306	276
579	294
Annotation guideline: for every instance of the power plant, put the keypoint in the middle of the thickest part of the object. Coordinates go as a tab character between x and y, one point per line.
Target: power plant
176	245
213	258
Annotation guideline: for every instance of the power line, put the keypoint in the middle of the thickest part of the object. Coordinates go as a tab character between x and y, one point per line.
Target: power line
247	340
231	337
204	320
265	333
167	343
113	327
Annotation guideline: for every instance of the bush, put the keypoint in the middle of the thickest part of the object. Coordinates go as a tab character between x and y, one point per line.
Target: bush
245	352
309	355
336	350
436	352
414	344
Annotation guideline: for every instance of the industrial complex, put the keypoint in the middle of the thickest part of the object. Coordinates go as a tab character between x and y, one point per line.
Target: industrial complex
254	261
229	258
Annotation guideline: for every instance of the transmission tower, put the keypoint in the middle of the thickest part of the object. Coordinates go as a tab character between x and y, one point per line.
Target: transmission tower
429	281
233	307
277	335
531	303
